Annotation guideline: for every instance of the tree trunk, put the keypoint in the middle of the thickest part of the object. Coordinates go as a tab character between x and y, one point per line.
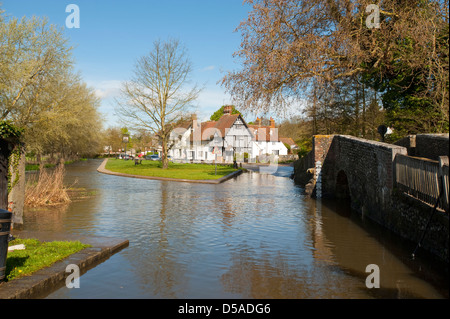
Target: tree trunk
16	196
165	161
314	116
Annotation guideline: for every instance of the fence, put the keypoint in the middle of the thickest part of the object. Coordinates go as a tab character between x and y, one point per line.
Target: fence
421	178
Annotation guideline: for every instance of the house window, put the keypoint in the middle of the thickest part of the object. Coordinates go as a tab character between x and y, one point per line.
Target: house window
276	152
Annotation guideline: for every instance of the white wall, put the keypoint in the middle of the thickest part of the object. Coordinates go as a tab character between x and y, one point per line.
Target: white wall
240	138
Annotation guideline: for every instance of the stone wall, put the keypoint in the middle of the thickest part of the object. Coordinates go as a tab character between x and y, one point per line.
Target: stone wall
408	217
409	142
432	145
287	158
426	145
304	173
304	167
366	168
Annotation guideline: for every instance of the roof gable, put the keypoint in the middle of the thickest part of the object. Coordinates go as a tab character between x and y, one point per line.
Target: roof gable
226	121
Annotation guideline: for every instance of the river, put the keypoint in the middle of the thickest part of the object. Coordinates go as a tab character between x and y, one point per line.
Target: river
255	236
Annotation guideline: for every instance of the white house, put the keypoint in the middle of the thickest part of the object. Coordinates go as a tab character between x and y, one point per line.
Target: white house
266	139
289	141
224	139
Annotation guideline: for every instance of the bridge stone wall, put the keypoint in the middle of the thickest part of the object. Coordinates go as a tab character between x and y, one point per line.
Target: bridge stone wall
368	167
426	145
432	145
363	171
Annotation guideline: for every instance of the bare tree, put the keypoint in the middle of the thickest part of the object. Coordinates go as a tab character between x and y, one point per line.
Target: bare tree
290	48
156	98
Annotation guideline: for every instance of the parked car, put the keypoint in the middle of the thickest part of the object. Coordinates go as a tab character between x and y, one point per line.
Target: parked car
152	157
125	156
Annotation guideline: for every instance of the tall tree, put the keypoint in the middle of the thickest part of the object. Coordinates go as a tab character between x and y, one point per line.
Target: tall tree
38	90
68	122
156	97
289	48
32	54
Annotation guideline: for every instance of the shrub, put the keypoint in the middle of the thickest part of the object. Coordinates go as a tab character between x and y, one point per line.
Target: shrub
47	188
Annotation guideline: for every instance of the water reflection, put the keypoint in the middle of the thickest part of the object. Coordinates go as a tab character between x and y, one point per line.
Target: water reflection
255	236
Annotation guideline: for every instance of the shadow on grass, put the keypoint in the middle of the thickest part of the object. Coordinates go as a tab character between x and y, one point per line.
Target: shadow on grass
13	262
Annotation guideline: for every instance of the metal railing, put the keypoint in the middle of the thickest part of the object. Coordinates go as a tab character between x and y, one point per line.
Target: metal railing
422	178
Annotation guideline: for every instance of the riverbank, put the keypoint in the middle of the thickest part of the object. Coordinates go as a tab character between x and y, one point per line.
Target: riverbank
30	255
197	173
49	279
29	167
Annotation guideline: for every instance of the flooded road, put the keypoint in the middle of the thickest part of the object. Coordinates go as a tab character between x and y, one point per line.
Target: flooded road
255	236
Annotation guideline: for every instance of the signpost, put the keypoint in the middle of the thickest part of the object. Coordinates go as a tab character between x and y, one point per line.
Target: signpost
125	140
383	130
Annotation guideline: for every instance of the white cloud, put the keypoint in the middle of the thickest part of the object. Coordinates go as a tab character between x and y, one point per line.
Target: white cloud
209	68
107	89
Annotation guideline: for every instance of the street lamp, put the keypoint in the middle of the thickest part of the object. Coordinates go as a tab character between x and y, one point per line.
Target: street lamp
125	139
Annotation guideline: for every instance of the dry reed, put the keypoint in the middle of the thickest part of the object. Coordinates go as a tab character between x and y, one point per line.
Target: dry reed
47	188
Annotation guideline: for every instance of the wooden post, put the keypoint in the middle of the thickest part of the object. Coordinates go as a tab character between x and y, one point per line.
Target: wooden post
444	181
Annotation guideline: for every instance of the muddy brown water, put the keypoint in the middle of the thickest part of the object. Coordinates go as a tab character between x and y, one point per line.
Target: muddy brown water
255	236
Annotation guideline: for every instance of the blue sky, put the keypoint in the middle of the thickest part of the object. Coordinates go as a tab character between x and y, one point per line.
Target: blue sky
113	34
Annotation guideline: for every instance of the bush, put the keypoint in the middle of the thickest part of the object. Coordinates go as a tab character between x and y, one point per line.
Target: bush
47	189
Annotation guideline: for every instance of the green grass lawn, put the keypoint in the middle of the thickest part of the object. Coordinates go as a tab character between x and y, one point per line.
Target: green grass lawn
37	255
175	170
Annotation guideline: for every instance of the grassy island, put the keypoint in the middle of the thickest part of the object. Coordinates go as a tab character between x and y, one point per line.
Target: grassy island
175	170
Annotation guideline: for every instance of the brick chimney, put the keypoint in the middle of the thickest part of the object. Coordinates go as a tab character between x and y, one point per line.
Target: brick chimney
272	123
227	110
258	121
195	130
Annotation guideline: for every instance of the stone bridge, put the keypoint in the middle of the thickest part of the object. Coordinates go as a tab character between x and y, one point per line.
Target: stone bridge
363	172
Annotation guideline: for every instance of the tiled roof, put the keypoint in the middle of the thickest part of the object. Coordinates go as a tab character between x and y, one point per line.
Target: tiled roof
201	128
225	122
260	133
184	124
207	126
289	141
